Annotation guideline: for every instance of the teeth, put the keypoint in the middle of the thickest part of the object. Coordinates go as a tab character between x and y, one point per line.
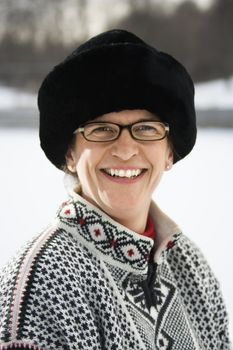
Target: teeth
128	173
123	173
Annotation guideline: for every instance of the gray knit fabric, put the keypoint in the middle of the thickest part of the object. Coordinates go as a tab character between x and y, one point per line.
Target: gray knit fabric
89	283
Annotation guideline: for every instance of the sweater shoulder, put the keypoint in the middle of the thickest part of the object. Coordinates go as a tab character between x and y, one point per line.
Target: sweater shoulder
197	284
42	249
19	276
48	273
187	259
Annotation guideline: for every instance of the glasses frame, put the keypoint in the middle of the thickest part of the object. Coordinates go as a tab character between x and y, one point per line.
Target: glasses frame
121	127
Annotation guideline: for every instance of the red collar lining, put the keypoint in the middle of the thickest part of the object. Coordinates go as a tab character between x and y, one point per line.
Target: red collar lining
150	229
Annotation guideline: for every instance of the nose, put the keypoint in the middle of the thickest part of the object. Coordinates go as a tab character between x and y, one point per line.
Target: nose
125	147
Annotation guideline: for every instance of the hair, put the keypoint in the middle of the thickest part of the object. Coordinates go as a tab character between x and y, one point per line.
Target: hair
64	167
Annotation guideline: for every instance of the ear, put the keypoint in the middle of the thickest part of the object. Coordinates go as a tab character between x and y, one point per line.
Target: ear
70	160
169	161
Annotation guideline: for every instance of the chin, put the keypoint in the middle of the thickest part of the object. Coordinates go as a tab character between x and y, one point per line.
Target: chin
118	203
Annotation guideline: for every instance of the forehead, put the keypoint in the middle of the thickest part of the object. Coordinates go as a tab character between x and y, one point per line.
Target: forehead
127	116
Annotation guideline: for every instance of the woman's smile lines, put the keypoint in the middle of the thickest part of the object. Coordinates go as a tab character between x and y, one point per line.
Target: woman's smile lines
128	173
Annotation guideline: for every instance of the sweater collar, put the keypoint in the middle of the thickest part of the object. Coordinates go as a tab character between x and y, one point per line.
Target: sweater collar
150	229
113	242
167	231
117	253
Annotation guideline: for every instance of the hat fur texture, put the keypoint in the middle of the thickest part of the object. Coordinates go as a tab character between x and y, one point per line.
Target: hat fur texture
111	72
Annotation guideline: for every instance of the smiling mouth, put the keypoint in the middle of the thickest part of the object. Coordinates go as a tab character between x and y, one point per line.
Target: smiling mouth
123	173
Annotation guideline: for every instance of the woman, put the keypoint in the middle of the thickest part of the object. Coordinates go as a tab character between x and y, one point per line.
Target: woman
112	271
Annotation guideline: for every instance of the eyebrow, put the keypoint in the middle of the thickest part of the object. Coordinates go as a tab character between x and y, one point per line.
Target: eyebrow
137	121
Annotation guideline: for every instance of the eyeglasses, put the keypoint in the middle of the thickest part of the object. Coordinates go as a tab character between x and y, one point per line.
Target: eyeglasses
144	130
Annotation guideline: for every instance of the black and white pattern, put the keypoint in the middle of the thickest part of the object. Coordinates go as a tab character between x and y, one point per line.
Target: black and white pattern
101	234
205	307
86	283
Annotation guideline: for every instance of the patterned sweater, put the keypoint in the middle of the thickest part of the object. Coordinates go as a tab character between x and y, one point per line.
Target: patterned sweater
89	283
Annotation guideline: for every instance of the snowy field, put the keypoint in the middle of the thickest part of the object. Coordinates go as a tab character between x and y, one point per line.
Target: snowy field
197	193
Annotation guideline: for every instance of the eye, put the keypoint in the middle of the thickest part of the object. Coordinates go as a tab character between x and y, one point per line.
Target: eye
100	132
103	130
147	129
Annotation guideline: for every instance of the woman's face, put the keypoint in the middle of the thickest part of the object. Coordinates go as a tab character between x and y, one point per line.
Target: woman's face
93	161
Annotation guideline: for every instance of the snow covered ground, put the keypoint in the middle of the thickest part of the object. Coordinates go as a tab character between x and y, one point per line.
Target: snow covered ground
215	94
14	98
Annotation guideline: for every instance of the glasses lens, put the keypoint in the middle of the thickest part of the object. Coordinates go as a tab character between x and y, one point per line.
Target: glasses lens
149	130
101	131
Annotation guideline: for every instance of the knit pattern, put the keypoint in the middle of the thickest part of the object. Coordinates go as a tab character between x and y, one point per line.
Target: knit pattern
103	236
77	291
205	306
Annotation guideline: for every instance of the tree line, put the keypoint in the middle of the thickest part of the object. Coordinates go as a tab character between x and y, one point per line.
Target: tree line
200	39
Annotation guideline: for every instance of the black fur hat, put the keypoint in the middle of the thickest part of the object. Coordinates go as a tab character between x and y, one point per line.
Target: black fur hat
114	71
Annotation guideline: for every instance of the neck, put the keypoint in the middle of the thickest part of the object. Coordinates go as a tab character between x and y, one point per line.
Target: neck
136	222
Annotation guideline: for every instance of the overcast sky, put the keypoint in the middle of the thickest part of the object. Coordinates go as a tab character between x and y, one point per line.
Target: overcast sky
201	3
101	12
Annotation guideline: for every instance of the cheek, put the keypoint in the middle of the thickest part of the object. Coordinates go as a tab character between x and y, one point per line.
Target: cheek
83	161
158	156
87	164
